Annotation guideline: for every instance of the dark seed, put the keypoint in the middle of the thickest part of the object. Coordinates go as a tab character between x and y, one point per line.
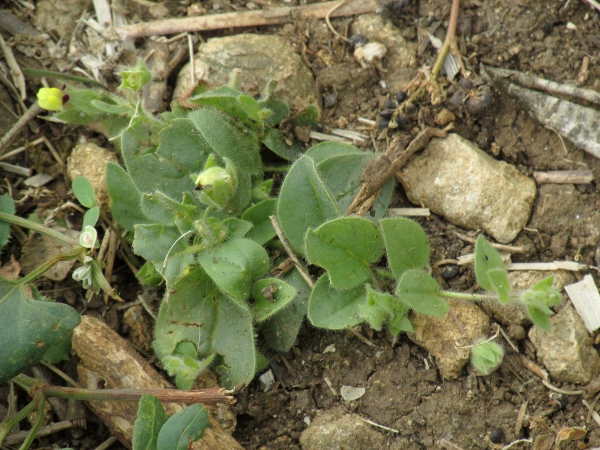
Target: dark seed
358	40
449	272
386	114
482	99
402	120
383	123
389	103
497	436
401	96
330	100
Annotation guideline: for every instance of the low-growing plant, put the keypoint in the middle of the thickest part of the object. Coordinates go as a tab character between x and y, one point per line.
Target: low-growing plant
194	194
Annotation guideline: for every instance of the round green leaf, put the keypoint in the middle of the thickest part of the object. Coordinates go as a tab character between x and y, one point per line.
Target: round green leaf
406	244
334	309
419	291
270	295
345	247
84	191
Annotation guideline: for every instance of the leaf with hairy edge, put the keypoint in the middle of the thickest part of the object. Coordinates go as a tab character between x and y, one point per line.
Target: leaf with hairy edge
28	328
259	214
233	265
406	245
334	309
270	296
487	258
345	247
7	205
183	428
151	416
125	197
419	291
304	202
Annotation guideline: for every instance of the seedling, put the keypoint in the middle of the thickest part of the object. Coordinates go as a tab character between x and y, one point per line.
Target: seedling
192	190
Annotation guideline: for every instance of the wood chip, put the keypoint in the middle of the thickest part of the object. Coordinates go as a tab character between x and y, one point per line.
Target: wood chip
586	299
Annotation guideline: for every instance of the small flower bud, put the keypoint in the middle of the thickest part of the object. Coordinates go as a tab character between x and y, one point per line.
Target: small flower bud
135	78
209	177
51	99
88	237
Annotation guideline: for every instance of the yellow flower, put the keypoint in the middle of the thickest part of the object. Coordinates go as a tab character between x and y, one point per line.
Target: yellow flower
50	98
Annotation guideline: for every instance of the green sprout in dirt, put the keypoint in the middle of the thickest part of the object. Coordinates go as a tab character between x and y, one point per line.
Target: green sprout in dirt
193	192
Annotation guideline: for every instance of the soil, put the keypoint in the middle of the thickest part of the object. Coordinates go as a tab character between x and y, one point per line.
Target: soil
404	392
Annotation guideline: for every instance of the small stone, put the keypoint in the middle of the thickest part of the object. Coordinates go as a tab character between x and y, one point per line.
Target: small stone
444	117
457	180
497	436
567	351
336	433
330	100
439	335
260	59
370	54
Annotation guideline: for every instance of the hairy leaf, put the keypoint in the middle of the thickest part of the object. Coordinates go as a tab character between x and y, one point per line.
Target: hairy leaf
345	247
183	428
419	291
151	416
270	296
406	245
334	309
487	258
304	202
262	231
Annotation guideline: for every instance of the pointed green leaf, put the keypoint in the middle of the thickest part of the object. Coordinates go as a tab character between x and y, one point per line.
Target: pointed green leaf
304	202
166	247
151	416
28	328
345	247
486	258
183	147
125	197
539	318
233	265
7	205
227	140
270	296
91	217
419	291
501	283
259	214
183	428
84	191
342	175
406	245
334	309
281	329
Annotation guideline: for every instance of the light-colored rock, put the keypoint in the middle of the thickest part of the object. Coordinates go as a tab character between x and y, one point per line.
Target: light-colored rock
90	160
400	59
440	335
40	248
340	433
567	350
260	59
456	179
514	312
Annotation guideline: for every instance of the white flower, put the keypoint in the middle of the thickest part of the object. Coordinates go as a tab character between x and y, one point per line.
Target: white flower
88	237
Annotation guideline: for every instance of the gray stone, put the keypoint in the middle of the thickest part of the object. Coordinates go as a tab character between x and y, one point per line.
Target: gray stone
566	351
442	337
457	180
400	60
331	432
514	312
260	59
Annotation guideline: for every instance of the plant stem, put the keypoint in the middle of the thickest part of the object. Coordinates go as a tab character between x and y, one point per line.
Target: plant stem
276	168
11	218
466	296
8	424
39	271
37	425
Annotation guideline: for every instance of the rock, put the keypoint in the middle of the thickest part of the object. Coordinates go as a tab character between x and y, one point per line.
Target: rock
440	335
400	59
260	59
567	350
457	180
515	313
90	160
59	17
331	432
40	248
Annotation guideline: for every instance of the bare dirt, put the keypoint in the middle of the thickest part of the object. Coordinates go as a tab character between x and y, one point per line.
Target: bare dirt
404	392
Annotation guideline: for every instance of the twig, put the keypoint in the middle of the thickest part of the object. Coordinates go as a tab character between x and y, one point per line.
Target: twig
275	16
595	415
383	427
518	441
290	252
414	212
564	177
502	247
31	113
45	430
13	65
328	22
562	391
446	444
534	368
